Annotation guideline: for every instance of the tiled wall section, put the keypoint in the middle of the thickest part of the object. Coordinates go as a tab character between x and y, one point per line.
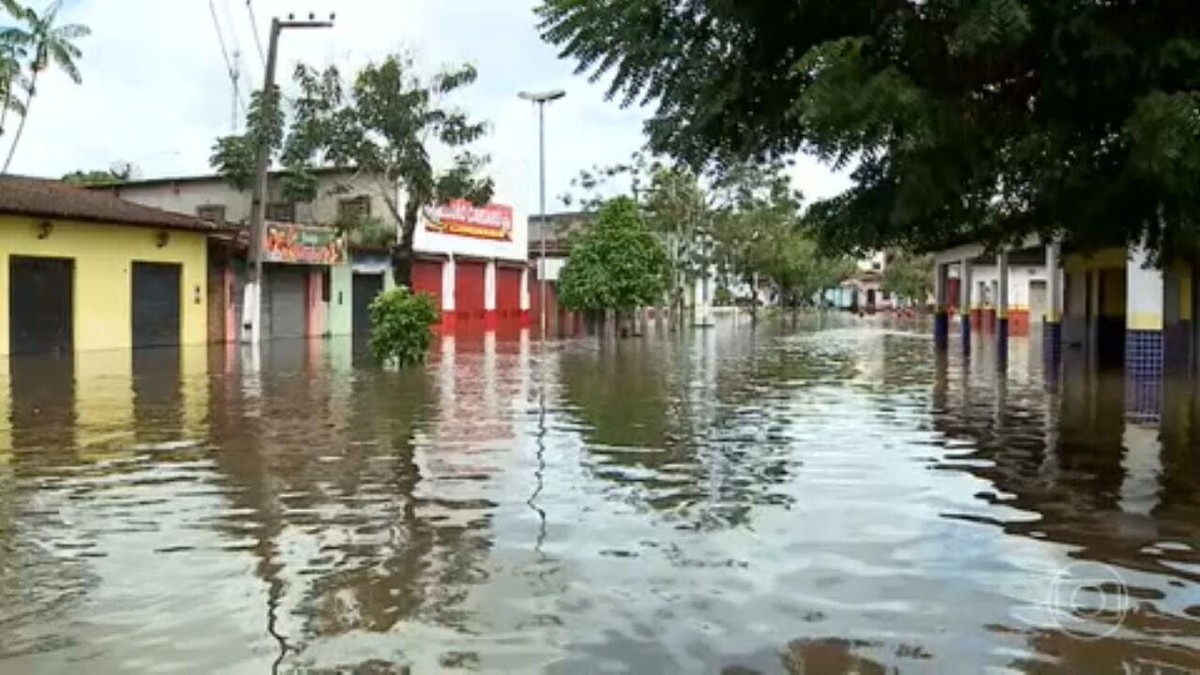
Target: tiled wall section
1052	340
1144	353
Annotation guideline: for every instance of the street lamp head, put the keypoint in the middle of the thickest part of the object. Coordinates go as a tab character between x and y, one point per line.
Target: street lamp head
543	96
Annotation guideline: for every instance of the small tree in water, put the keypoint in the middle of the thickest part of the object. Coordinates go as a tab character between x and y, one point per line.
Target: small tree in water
402	326
619	264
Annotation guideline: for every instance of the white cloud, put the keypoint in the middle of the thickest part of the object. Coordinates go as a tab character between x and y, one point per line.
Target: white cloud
155	91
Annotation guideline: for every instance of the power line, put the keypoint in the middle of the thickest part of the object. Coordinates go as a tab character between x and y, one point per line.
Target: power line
262	57
230	64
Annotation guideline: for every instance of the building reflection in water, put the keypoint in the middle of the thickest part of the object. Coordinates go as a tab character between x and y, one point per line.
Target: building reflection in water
739	498
1115	489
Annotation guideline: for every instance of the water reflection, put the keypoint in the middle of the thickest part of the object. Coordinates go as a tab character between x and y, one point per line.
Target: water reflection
733	500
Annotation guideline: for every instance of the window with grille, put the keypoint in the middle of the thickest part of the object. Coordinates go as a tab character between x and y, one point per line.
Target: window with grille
281	212
214	213
354	209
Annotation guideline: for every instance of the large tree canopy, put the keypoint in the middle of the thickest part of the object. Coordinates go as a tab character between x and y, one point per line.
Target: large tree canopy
385	123
618	264
989	119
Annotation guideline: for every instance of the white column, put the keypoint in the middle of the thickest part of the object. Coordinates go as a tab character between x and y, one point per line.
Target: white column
1144	294
525	299
1053	285
489	286
449	276
941	295
1142	465
1002	285
964	287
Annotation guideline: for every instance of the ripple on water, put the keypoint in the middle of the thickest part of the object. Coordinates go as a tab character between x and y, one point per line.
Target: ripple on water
732	500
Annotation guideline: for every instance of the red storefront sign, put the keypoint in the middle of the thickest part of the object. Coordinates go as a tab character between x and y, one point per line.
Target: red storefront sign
461	217
302	245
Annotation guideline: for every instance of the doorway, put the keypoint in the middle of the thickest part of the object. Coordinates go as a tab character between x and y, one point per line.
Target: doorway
40	305
156	304
365	288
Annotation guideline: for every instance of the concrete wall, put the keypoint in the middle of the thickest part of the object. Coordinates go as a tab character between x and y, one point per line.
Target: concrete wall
188	195
1019	278
103	292
340	313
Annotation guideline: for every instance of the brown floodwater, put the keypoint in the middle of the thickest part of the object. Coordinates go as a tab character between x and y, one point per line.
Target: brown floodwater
737	501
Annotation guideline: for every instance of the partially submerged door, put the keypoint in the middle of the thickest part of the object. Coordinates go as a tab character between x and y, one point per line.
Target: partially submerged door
286	298
40	305
364	290
156	304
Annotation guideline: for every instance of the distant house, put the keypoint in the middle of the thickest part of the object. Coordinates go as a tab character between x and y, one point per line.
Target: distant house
83	270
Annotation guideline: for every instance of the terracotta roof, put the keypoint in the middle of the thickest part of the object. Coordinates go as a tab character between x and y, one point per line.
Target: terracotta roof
44	198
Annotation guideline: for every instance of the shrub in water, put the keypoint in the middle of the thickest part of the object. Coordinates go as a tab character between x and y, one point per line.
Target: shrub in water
402	326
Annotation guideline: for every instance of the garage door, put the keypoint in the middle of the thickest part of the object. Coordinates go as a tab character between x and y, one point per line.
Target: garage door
284	302
508	293
366	287
469	285
427	278
156	304
40	305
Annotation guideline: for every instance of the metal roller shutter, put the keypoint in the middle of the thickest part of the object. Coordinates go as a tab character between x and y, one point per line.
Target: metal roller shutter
365	288
156	304
284	302
40	305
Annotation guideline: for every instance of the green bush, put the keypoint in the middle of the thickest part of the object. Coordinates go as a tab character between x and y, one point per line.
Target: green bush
402	326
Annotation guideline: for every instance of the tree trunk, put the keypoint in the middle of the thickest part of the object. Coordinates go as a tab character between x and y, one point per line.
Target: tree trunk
402	252
12	149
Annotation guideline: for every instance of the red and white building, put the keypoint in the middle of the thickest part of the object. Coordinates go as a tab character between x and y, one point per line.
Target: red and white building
473	261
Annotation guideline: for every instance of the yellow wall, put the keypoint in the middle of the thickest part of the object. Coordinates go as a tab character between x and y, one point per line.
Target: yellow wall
1108	258
103	257
1113	284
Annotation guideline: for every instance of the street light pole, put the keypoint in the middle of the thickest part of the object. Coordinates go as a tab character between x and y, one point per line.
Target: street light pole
540	99
258	202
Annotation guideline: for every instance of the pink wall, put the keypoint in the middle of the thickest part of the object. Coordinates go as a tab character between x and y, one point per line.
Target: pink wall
317	314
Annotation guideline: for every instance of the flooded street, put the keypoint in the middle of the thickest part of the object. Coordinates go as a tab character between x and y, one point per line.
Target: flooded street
773	501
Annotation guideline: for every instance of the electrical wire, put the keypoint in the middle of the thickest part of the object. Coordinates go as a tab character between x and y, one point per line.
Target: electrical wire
230	69
262	56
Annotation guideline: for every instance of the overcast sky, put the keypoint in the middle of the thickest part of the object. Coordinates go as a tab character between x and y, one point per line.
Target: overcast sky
156	91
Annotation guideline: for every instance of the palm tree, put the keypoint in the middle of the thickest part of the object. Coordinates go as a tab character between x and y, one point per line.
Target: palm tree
51	43
14	47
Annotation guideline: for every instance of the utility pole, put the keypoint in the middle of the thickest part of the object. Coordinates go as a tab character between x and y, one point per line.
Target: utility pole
252	322
540	99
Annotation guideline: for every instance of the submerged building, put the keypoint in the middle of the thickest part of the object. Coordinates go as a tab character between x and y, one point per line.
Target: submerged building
83	270
1111	308
471	259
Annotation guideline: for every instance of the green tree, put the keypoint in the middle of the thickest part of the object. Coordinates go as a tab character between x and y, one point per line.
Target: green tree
402	326
795	263
909	276
50	43
676	206
93	178
980	119
235	157
15	41
618	264
386	126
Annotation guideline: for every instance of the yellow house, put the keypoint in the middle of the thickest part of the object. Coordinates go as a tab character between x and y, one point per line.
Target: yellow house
83	270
